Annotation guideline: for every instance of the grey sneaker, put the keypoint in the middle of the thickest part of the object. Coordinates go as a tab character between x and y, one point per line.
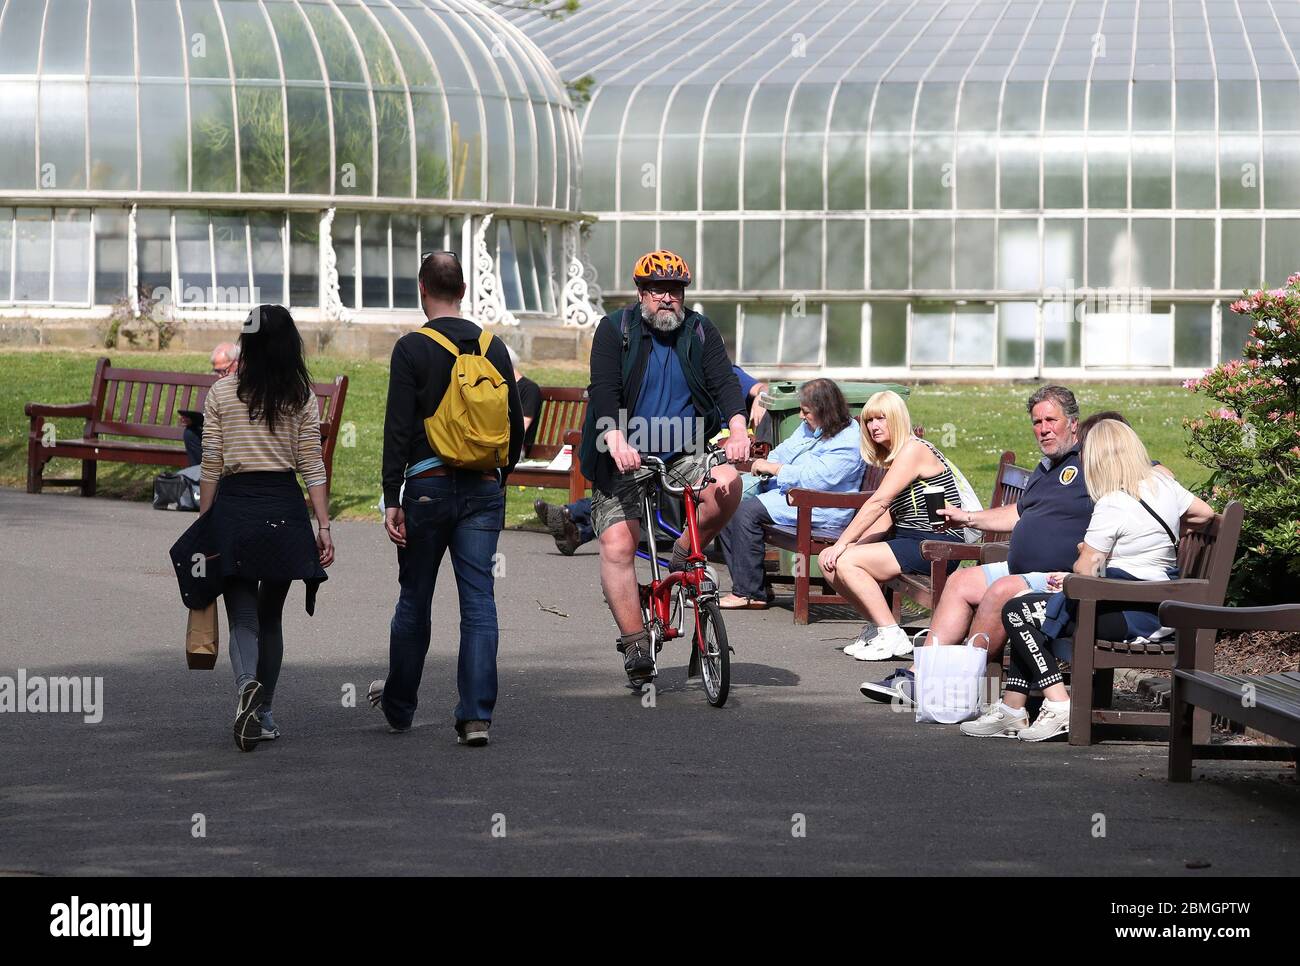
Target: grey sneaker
269	729
248	730
375	695
996	722
473	733
1048	724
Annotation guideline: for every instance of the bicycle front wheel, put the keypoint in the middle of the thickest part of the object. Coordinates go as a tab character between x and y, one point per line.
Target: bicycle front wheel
715	656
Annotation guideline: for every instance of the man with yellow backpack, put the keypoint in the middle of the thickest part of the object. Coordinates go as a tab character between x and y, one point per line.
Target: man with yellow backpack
453	431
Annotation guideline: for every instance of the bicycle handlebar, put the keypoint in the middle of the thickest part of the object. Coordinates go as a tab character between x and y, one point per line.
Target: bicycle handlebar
653	463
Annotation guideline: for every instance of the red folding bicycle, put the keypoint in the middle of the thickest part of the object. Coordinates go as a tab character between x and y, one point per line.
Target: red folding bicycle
665	599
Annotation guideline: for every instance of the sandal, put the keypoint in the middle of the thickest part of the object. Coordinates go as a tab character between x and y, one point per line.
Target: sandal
744	603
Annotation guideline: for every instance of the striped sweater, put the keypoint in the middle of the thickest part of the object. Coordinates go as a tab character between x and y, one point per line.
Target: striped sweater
232	443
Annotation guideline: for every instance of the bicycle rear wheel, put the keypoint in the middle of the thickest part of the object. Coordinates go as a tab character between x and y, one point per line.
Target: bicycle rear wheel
715	655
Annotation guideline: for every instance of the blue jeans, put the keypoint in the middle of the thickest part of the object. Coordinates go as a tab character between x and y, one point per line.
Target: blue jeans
580	514
464	513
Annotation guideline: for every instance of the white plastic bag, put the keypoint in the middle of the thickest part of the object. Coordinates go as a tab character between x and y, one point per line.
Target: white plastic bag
949	682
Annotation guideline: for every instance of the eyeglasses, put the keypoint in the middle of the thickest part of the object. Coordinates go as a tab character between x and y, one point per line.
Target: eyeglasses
666	290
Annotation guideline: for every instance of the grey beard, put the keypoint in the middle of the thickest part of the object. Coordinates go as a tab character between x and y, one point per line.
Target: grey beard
673	322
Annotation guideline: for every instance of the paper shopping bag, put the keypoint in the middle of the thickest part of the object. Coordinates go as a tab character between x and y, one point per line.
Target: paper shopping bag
202	635
949	680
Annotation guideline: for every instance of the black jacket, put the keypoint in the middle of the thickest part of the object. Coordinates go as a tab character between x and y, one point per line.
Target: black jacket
418	376
715	390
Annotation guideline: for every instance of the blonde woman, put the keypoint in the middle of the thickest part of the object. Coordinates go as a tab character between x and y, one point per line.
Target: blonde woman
884	538
1139	512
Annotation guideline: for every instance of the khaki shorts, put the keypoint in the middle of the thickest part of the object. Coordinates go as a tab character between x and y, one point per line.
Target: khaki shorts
624	503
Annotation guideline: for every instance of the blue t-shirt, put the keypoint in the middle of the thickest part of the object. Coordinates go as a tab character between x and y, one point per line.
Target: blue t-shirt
747	383
1054	513
665	416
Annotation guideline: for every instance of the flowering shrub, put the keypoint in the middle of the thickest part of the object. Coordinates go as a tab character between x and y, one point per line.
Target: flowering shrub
1250	441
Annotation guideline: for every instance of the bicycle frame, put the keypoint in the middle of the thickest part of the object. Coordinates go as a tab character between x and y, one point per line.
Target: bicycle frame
694	578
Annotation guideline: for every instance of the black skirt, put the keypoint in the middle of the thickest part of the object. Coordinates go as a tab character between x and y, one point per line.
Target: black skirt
258	527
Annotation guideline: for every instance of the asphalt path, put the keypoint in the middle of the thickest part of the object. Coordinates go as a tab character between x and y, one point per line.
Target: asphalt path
798	774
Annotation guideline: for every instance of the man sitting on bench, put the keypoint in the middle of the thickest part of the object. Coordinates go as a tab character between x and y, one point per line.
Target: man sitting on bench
223	361
1047	525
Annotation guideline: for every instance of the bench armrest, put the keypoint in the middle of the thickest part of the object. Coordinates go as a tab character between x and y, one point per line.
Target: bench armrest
1079	587
939	550
70	410
798	496
995	552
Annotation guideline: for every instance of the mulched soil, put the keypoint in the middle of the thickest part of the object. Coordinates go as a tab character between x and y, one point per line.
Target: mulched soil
1258	652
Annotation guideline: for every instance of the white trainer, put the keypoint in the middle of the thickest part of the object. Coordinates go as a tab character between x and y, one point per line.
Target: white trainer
890	642
1049	723
997	722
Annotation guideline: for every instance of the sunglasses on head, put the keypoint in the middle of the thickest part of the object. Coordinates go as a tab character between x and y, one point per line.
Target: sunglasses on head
425	256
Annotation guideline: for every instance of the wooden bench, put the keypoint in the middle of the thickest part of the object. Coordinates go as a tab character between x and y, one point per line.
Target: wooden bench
559	423
926	589
143	404
1266	702
1205	558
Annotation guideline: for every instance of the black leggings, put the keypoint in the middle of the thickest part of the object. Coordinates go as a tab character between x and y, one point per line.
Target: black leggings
1033	665
256	637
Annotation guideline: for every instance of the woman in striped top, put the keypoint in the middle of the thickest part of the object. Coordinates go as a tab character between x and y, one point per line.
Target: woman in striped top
261	425
867	554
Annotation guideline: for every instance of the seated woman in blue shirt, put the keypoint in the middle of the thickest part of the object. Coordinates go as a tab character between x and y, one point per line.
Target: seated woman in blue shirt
867	554
821	454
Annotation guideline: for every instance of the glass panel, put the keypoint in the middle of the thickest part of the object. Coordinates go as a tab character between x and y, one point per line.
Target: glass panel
18	146
6	251
1108	106
63	135
1018	254
844	334
65	39
679	237
889	250
888	333
760	335
1065	102
1152	106
974	339
545	157
932	253
1238	106
344	237
545	257
805	143
394	128
600	147
931	333
214	146
1128	336
261	139
637	238
932	171
406	260
801	334
803	254
204	41
1282	171
1281	102
1063	254
846	148
193	257
1240	248
889	163
976	249
230	246
110	255
71	275
721	158
112	136
723	315
639	173
297	54
1192	341
352	142
976	173
335	42
1022	106
1281	250
112	46
267	231
20	40
1151	255
978	110
250	41
1019	158
1109	250
1194	264
1194	171
309	141
1234	329
1063	173
762	255
1061	333
374	262
846	254
1194	105
1152	177
153	231
1108	172
497	148
678	175
466	147
1017	333
1238	172
599	247
527	266
164	143
431	176
763	139
507	265
158	31
32	255
304	258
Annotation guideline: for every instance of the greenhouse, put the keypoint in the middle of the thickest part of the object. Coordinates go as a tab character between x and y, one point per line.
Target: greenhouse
216	153
1005	187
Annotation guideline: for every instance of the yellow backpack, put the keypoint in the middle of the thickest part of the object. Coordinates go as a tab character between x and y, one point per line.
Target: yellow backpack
470	430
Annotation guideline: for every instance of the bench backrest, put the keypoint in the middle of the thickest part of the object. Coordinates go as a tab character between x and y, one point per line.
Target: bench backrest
1008	486
1207	554
563	408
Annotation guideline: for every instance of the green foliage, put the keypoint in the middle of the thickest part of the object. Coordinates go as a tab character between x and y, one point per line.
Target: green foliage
1251	443
580	89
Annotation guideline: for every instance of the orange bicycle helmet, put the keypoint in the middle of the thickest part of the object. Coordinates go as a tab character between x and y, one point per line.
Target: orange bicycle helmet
661	266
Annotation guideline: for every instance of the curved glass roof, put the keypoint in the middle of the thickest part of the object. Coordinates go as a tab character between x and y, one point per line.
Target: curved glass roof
381	99
922	104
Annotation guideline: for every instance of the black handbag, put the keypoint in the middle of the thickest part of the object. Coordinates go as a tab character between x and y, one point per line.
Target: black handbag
174	491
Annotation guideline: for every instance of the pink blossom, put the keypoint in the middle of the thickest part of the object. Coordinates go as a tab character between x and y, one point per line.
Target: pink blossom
1278	293
1293	279
1274	416
1241	306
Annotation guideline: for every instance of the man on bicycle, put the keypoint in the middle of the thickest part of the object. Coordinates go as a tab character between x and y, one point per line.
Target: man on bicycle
661	385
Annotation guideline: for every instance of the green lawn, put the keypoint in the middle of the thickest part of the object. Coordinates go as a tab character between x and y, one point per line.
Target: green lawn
972	424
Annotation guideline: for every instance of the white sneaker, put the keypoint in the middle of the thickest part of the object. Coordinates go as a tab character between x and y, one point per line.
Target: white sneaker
890	642
1049	723
997	722
868	633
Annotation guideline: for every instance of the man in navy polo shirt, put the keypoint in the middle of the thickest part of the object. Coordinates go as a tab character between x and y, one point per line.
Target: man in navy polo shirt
1047	525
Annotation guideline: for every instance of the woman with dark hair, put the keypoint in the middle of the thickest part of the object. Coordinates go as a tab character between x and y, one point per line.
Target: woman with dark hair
261	424
821	454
